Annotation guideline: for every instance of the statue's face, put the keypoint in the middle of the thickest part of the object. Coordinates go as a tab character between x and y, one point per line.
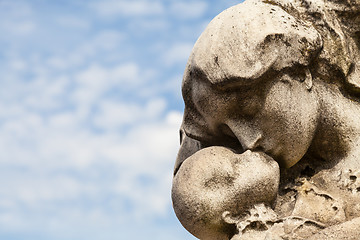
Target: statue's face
202	194
277	116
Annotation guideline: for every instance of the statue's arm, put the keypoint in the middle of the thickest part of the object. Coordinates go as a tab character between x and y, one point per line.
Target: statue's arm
188	146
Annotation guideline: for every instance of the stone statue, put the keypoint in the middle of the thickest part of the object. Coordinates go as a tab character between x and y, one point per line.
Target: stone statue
270	140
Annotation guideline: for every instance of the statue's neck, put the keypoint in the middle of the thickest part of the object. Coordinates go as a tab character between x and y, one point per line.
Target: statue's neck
338	132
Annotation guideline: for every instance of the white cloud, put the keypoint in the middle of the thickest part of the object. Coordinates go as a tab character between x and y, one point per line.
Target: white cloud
58	63
61	153
146	151
104	40
178	53
16	9
96	80
105	45
44	94
16	18
188	10
174	86
149	25
126	8
113	115
20	27
99	77
73	22
18	65
155	153
87	142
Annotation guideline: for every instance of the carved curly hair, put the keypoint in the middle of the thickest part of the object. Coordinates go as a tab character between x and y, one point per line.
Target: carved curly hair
338	22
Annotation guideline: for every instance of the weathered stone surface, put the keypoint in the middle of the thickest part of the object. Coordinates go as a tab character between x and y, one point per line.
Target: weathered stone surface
271	92
215	185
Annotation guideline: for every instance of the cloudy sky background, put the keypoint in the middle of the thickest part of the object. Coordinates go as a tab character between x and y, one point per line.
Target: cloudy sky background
90	107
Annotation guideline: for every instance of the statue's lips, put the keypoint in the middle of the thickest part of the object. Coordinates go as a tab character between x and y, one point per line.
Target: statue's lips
272	149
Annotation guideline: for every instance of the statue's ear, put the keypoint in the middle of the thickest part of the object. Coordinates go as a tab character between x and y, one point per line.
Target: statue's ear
228	218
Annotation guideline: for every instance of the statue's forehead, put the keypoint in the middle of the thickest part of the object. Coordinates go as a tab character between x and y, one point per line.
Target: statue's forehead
243	43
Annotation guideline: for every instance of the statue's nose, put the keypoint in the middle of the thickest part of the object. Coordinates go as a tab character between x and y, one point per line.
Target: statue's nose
249	136
251	142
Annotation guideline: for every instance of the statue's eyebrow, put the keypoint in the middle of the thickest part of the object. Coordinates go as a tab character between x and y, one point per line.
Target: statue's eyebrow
198	73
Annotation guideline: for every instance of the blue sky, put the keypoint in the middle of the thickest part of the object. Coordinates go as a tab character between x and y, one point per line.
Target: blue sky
90	106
